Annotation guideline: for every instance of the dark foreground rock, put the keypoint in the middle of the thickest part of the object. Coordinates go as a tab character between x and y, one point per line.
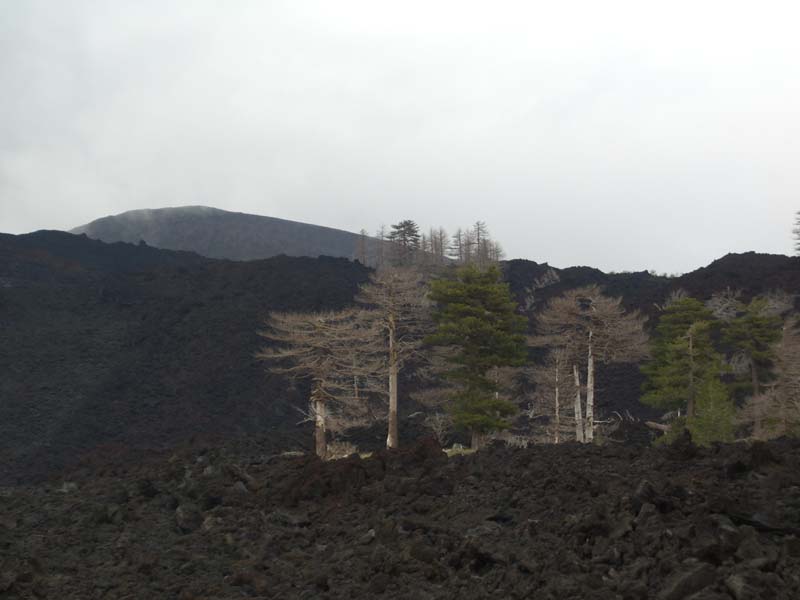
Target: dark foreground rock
547	522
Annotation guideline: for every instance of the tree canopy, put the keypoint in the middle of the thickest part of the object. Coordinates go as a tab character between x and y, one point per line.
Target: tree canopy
476	316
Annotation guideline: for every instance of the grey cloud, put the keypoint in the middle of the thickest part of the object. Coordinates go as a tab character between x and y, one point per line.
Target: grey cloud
618	134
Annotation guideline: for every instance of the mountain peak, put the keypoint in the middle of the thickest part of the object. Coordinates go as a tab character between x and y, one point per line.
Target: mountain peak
217	233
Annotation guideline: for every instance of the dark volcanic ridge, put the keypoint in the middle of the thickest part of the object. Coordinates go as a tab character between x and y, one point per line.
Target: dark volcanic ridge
129	347
218	233
552	522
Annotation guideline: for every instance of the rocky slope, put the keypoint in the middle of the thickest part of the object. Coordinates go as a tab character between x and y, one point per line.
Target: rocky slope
218	233
120	346
128	345
554	522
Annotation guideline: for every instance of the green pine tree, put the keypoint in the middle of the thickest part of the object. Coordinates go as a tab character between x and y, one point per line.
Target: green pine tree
476	316
755	334
683	356
715	412
406	238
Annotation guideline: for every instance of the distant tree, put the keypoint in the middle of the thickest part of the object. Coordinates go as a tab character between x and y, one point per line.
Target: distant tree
458	247
362	254
439	245
406	237
796	233
476	316
475	246
319	348
398	308
380	246
674	296
495	251
424	256
682	356
481	242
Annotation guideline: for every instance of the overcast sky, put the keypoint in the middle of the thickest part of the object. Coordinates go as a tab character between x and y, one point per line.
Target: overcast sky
623	135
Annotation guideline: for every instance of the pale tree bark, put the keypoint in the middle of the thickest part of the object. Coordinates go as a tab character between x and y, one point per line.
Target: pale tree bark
320	428
551	378
557	400
589	428
392	438
578	411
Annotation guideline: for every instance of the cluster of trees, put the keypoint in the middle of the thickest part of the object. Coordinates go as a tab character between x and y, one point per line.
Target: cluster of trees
715	368
459	329
579	331
353	357
404	244
710	359
437	307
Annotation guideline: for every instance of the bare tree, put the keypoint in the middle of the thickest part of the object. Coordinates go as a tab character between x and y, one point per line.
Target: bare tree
788	409
361	247
380	246
474	245
778	303
554	377
440	424
399	310
726	304
673	297
320	347
481	241
440	244
796	233
776	411
592	325
494	251
458	248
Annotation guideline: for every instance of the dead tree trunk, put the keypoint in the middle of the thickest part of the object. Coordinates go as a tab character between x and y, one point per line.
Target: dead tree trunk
589	428
757	417
690	402
557	432
392	435
320	425
578	411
